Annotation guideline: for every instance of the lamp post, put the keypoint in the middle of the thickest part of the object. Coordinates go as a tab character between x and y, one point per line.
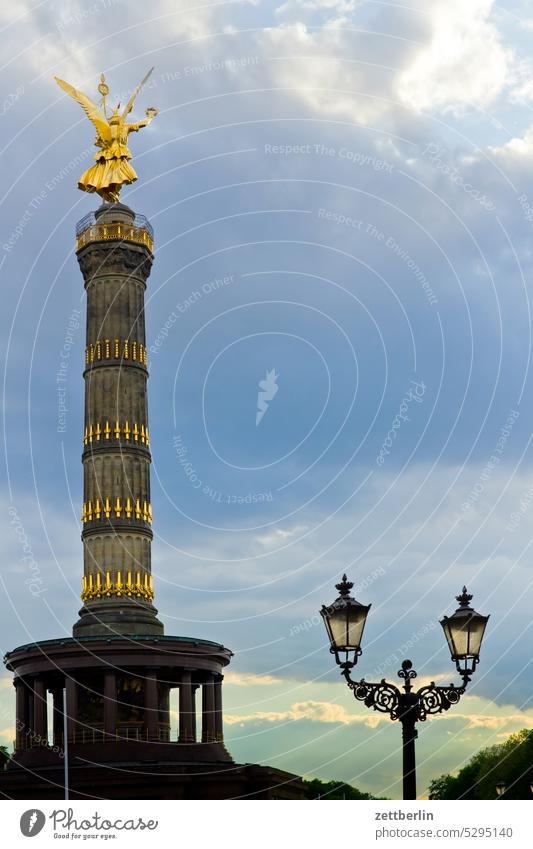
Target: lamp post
345	622
501	788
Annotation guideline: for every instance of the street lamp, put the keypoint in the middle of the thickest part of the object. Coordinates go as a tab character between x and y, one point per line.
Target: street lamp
345	621
464	633
501	787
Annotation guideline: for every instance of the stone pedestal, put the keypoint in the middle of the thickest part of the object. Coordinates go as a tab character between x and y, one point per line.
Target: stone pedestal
147	669
109	759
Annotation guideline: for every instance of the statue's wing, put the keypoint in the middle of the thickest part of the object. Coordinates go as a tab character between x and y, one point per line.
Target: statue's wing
91	109
131	101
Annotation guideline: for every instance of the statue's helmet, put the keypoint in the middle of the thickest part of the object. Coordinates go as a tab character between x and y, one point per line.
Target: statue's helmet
115	117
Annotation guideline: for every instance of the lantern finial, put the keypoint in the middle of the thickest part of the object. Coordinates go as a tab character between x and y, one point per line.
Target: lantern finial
344	587
465	598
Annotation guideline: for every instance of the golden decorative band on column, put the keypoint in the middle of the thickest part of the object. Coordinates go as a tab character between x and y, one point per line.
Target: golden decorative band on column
140	586
103	433
117	508
116	349
123	232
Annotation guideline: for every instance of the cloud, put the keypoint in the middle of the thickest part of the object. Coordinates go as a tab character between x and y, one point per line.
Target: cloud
463	63
517	150
316	67
520	82
280	535
487	716
334	737
242	679
339	7
517	720
7	736
73	39
312	711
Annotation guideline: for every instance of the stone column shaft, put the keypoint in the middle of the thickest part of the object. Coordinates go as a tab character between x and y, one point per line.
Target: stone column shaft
208	711
110	705
186	710
151	706
22	714
40	718
30	712
219	723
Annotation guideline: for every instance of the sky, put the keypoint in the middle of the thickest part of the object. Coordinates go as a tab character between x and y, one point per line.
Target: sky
342	200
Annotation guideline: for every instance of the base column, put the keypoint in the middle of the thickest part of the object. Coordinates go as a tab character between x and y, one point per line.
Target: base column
40	718
21	724
151	706
110	705
219	725
186	714
208	711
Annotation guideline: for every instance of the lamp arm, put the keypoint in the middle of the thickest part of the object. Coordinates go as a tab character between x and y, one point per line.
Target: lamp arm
383	697
346	669
433	699
387	698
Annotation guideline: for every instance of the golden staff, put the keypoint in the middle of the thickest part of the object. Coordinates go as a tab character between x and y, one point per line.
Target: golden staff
103	88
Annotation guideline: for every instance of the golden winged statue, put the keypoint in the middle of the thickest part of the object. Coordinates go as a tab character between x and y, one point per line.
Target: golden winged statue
112	169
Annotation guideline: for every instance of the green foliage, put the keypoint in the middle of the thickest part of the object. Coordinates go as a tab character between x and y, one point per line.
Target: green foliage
316	789
510	762
4	756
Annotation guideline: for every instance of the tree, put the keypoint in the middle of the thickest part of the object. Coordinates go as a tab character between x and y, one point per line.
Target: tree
316	789
510	762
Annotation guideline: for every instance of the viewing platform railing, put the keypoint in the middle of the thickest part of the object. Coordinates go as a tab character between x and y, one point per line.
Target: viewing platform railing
89	230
